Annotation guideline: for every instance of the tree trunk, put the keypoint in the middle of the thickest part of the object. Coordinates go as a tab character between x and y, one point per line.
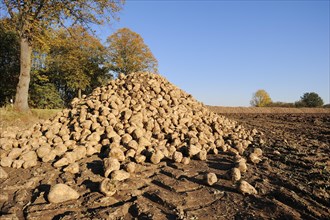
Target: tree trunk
22	90
79	93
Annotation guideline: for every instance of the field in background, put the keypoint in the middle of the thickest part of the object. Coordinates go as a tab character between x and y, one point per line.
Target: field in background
266	110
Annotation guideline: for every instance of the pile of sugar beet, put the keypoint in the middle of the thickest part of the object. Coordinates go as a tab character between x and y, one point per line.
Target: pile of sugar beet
136	119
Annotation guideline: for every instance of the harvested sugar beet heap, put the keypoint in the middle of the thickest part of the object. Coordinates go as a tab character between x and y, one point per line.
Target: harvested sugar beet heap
134	119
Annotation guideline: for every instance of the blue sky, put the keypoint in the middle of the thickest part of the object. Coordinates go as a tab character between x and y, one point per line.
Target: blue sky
221	52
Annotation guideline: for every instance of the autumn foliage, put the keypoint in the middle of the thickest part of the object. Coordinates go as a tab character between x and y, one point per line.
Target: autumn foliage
31	20
72	62
74	59
260	98
128	53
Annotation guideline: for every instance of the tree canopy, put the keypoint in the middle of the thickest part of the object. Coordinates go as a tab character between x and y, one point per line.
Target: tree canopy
128	53
75	60
310	99
31	18
260	98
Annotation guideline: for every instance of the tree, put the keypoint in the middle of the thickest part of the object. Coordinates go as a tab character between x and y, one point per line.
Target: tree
31	18
43	93
260	98
9	63
74	61
128	53
311	99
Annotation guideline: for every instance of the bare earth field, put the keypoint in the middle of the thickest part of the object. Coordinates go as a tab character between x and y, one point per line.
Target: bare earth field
292	180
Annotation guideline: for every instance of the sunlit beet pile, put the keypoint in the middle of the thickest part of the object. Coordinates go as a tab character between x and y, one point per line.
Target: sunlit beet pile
138	118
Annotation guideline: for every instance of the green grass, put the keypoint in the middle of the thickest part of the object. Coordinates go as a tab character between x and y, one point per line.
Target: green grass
11	118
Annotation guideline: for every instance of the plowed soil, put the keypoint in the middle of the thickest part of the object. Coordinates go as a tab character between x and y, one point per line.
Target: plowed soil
292	180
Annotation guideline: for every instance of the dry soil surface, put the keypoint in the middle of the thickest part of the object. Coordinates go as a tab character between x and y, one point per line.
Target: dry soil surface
292	180
267	110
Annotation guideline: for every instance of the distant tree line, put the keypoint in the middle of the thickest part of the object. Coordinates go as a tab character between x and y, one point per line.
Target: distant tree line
309	99
70	62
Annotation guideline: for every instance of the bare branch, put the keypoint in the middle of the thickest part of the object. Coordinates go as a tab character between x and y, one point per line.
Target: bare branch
9	8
